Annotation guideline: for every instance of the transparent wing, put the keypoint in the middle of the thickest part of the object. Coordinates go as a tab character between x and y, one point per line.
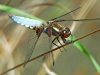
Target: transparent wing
45	44
25	21
46	47
48	44
50	47
31	46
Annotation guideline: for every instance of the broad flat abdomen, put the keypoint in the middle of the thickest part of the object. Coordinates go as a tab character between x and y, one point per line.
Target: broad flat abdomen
26	21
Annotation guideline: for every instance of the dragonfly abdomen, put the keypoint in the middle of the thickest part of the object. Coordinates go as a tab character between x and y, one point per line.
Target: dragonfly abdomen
27	22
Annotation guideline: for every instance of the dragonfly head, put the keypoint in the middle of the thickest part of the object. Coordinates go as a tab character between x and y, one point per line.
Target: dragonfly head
65	33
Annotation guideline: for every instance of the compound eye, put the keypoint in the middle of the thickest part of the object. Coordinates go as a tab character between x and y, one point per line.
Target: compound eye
65	31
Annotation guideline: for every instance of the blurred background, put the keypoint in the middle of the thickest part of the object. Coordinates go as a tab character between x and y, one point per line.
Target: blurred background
14	38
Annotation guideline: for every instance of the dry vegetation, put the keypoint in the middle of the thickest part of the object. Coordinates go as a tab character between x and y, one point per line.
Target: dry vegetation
14	38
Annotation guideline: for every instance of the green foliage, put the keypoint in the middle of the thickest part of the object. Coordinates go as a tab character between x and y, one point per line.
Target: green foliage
80	47
16	11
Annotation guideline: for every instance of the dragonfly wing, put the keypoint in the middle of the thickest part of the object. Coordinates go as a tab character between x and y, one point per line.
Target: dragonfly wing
26	21
50	38
50	42
46	47
31	46
49	57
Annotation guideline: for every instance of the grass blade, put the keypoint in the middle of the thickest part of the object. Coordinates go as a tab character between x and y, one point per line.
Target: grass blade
17	11
80	47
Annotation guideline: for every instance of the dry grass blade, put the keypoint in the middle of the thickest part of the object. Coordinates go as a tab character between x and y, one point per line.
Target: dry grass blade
86	6
46	4
8	2
51	51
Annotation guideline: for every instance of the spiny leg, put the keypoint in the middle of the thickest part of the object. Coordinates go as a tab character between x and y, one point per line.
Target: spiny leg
55	44
61	44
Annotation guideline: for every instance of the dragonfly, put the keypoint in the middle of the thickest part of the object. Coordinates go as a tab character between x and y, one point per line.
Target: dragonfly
50	28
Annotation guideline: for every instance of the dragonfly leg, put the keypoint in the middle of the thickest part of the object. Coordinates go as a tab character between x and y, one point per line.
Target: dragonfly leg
61	44
67	41
56	44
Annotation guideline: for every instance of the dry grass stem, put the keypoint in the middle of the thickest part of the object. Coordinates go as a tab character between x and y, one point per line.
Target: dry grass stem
51	51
